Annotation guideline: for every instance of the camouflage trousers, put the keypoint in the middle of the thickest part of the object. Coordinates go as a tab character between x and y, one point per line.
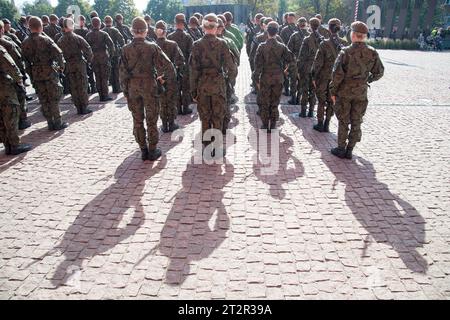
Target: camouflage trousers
350	111
9	123
306	90
49	93
185	93
144	106
101	71
23	105
91	79
168	103
211	111
227	111
79	88
114	76
268	99
325	105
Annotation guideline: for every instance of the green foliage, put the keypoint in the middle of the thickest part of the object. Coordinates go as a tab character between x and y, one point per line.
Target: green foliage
126	7
61	8
38	8
163	9
391	44
7	10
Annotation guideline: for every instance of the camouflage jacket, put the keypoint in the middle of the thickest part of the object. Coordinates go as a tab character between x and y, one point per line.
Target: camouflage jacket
271	57
151	35
14	52
184	42
125	32
14	38
234	50
296	40
52	30
260	38
144	60
196	33
249	37
9	76
355	66
325	58
210	63
117	39
237	34
102	46
76	50
308	52
22	32
43	58
324	32
287	32
82	32
173	52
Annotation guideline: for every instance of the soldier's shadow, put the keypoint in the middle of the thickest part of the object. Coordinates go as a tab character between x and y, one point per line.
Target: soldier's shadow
198	221
386	216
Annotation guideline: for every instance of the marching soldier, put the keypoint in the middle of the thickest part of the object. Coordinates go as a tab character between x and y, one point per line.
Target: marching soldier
194	28
285	35
103	48
185	43
22	29
151	35
83	31
210	62
9	34
294	44
45	21
10	77
271	57
123	28
321	73
229	26
93	15
169	97
119	42
43	61
322	31
355	66
306	58
76	52
227	34
251	35
142	64
52	29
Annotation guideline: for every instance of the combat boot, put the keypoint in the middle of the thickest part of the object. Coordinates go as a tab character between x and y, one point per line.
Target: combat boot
7	148
318	126
59	125
144	154
50	125
311	113
85	110
154	154
186	110
339	152
234	99
21	148
293	100
302	113
326	125
106	98
23	124
173	126
165	127
349	153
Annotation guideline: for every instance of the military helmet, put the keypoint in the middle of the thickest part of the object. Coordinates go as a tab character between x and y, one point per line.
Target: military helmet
108	19
194	20
302	20
180	18
210	21
360	27
139	25
35	23
314	23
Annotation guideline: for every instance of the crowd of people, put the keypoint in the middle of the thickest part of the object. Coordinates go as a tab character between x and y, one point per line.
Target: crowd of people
162	70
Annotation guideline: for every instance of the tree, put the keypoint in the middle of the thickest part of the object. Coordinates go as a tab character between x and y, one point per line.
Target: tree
125	7
103	7
163	9
38	8
61	8
8	10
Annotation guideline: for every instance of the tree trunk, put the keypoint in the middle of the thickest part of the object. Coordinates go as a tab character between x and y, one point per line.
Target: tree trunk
391	4
415	18
430	14
402	18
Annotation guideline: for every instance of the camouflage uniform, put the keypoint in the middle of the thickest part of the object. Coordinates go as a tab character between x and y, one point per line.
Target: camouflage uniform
125	32
324	32
77	52
41	54
185	43
52	30
196	33
14	38
92	86
81	32
103	48
210	62
285	35
141	62
306	58
294	45
169	98
321	73
355	66
151	35
271	57
119	42
249	37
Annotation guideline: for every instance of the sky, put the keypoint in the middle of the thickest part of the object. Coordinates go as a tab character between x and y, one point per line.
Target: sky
140	4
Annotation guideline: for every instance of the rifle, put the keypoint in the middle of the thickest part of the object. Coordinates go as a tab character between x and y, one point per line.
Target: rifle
193	36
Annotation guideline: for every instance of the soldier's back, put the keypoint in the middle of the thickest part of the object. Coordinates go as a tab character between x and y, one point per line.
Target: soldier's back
82	32
183	40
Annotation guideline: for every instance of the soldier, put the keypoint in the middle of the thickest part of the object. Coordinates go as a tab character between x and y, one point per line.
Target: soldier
285	34
199	17
321	73
119	42
93	15
355	66
76	52
45	21
83	31
43	61
251	35
103	48
142	64
16	55
185	43
306	58
294	44
169	97
9	34
10	77
230	82
52	29
123	28
271	57
226	33
151	35
194	28
210	62
23	31
229	26
322	31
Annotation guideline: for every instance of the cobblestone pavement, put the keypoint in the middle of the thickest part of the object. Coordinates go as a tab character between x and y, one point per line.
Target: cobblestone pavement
83	217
